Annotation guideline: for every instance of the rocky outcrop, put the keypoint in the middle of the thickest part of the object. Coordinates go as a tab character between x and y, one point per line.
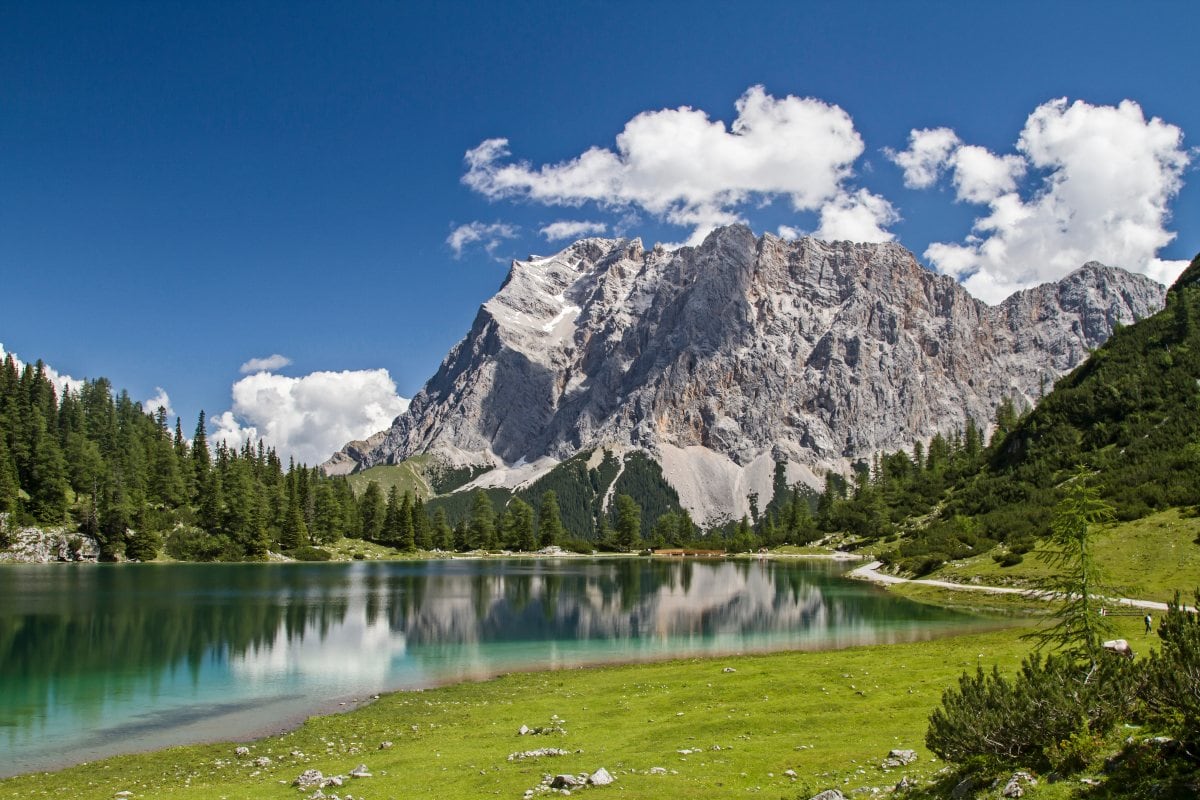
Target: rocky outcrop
724	358
43	546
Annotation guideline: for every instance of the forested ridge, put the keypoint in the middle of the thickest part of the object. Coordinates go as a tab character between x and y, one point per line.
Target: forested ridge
93	461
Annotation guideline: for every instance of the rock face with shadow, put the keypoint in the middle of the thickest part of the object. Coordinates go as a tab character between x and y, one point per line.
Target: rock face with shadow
722	359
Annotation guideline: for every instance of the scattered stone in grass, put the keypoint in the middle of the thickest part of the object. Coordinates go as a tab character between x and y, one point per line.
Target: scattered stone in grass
899	758
262	761
658	770
125	793
360	771
539	753
790	773
241	751
310	778
829	794
729	669
600	777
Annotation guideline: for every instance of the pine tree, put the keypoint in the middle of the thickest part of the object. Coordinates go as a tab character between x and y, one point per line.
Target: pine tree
327	515
392	524
743	537
443	534
371	512
295	533
406	534
483	522
550	527
201	457
521	534
116	516
422	531
629	522
211	504
47	482
9	488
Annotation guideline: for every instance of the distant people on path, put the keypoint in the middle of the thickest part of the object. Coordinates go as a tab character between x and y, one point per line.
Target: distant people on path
1149	620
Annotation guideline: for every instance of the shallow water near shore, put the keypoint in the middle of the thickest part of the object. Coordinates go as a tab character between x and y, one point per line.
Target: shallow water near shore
103	659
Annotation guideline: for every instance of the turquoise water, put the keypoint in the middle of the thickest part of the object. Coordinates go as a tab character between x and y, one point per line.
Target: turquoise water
102	659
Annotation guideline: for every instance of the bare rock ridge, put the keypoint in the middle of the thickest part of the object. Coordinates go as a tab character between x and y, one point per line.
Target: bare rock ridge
724	358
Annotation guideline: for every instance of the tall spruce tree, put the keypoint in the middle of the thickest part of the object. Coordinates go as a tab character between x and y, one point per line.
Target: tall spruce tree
629	522
549	526
483	522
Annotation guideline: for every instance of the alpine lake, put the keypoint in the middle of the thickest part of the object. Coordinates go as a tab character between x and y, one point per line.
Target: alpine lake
100	659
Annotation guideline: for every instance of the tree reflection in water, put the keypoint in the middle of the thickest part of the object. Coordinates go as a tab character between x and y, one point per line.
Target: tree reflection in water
87	647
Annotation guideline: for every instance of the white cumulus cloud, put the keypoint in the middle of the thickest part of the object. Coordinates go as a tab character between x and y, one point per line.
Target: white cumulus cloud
309	417
927	155
571	229
682	167
1103	177
489	235
268	364
160	400
59	379
858	217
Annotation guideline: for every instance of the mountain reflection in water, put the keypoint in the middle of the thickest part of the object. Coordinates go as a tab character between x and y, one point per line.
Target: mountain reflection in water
165	654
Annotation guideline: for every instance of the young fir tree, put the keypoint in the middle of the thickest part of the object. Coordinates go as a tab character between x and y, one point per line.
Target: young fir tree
1076	577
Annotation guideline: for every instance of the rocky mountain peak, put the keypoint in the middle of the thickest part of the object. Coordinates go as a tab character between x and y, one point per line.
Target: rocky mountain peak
723	358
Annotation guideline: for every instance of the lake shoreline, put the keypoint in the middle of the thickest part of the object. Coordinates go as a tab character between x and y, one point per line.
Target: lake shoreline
188	653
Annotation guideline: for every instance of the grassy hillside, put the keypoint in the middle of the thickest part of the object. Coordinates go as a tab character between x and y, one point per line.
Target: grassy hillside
406	477
1150	558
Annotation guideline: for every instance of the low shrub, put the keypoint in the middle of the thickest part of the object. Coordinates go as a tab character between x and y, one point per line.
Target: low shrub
1045	714
311	554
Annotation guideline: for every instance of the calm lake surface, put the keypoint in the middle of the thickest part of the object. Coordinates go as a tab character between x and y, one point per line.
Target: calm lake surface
101	659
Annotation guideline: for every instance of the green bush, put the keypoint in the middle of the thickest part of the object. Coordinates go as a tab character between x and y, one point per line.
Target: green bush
1038	719
186	543
1170	687
1008	559
143	545
311	554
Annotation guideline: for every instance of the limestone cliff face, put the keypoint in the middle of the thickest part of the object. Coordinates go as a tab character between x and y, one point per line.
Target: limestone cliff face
723	358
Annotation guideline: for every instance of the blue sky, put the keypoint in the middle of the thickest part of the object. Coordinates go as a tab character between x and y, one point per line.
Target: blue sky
188	186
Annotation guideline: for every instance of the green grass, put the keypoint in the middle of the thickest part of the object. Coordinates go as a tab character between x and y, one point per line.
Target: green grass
804	550
830	716
406	477
1150	559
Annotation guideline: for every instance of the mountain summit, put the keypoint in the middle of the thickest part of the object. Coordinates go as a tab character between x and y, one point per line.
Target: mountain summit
722	359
